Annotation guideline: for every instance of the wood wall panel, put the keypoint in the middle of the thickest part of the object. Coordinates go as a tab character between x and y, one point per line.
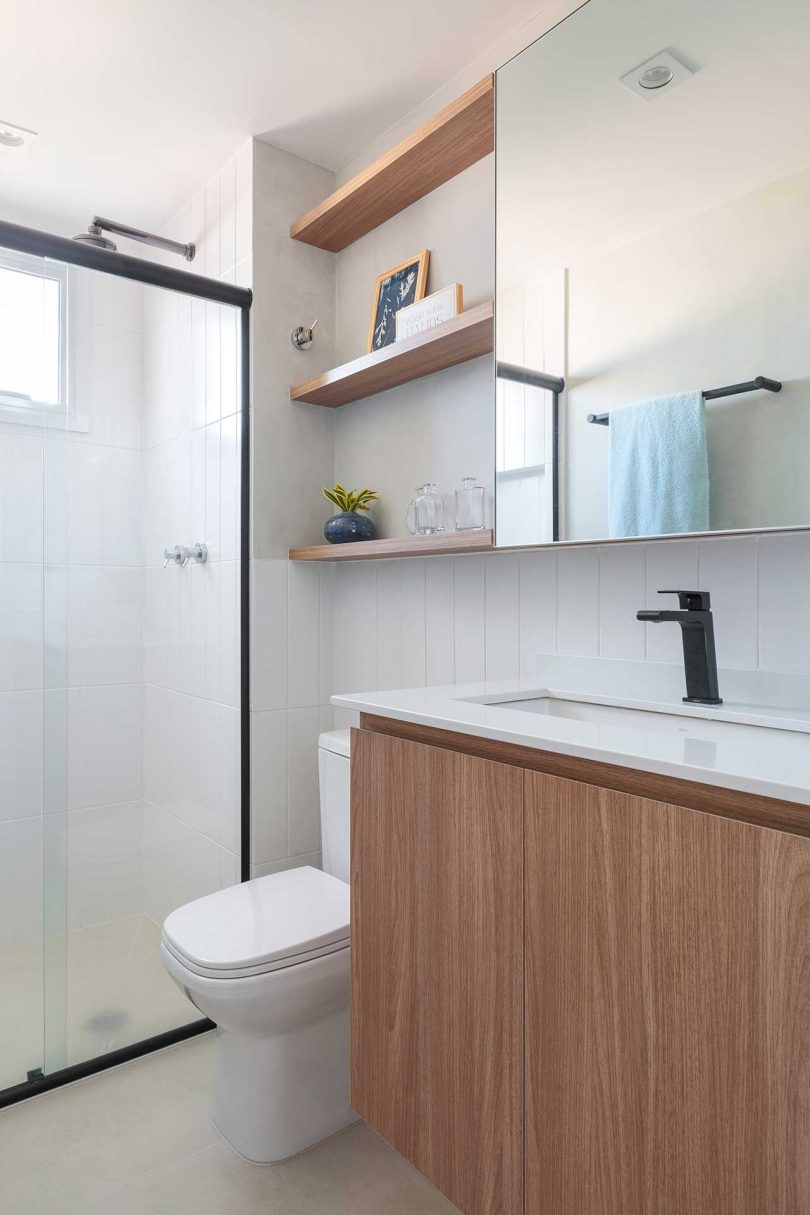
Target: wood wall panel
437	965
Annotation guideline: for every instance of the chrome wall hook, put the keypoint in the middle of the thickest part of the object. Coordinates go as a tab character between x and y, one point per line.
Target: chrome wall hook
303	337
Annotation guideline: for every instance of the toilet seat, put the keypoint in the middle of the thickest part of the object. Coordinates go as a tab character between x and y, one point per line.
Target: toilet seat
263	925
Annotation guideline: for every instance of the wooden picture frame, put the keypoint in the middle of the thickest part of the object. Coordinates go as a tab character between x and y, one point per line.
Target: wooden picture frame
401	285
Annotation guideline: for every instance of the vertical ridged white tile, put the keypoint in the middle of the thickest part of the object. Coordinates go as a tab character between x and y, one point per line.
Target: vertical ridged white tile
229	489
538	608
211	253
269	778
470	619
364	626
303	636
389	625
727	568
213	363
269	635
213	492
343	616
622	591
303	809
227	216
229	631
326	632
244	203
502	585
784	596
412	624
671	564
440	618
578	601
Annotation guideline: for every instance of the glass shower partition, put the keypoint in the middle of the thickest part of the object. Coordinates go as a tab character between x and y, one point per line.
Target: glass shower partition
123	642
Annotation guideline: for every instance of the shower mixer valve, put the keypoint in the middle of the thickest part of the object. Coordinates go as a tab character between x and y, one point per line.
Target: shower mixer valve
181	554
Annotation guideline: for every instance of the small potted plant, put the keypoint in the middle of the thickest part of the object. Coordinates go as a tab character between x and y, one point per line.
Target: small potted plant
349	525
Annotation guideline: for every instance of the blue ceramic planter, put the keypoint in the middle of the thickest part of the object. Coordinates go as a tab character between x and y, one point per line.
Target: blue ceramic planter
348	527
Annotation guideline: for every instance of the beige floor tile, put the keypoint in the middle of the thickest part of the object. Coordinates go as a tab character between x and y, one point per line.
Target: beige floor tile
64	1149
353	1174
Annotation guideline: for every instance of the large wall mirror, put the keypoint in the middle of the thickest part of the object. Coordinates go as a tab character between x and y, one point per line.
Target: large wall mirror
653	273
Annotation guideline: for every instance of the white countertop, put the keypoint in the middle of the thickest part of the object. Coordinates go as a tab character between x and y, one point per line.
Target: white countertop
745	744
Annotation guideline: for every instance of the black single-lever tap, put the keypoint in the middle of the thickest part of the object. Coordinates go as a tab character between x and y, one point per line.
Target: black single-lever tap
699	657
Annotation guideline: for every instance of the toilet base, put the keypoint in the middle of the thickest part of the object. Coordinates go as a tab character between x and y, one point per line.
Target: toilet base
277	1096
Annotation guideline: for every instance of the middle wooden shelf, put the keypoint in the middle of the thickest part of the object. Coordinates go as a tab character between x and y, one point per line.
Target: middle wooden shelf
465	337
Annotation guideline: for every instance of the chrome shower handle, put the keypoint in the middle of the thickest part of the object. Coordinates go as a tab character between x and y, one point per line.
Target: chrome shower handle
175	556
198	552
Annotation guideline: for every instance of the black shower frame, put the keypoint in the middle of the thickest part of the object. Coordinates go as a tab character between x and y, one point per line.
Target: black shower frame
154	274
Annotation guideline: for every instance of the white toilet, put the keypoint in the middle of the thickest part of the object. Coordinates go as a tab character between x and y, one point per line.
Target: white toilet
268	962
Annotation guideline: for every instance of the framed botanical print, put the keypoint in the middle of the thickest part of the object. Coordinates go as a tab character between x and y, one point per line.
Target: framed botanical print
395	289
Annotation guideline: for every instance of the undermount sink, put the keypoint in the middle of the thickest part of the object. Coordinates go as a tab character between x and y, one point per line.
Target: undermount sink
692	721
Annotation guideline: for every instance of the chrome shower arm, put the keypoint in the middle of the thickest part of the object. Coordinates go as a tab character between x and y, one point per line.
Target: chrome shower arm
100	224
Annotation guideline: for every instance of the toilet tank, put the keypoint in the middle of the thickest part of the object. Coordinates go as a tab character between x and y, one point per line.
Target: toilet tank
333	772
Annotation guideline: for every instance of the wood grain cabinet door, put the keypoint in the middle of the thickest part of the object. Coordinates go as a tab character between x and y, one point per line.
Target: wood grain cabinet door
667	1009
437	965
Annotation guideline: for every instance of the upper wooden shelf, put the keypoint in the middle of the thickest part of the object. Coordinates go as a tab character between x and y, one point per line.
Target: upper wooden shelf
408	546
456	341
456	138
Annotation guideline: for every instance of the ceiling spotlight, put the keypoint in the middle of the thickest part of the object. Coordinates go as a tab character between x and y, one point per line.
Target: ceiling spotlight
19	139
658	75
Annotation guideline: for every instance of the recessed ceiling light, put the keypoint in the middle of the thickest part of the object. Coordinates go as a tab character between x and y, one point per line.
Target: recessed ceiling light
656	76
17	139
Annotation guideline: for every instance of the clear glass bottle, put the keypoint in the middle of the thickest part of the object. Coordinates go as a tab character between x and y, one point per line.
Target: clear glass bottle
426	511
470	506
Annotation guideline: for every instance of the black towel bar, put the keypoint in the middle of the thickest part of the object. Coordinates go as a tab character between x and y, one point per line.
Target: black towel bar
711	394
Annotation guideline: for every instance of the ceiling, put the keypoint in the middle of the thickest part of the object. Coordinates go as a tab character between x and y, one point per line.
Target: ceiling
137	102
585	165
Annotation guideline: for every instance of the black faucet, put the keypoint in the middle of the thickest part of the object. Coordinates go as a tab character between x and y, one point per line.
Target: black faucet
699	657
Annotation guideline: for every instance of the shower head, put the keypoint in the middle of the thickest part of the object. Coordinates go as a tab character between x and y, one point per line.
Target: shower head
94	236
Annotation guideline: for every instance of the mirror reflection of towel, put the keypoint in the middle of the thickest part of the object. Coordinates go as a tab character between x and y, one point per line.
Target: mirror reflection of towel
659	467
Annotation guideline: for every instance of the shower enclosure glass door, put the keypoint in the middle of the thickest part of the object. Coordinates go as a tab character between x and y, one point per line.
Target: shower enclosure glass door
121	645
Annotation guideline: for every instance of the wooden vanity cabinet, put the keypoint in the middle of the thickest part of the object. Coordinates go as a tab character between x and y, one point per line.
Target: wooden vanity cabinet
658	1062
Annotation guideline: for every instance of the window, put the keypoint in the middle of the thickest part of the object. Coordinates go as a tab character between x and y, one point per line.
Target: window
33	333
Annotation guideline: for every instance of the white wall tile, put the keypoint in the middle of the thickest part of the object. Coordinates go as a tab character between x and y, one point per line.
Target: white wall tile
180	864
227	216
303	635
304	815
268	643
727	568
269	828
469	597
222	775
622	593
670	564
104	500
290	862
229	632
213	363
104	864
198	363
125	401
413	653
343	609
538	608
389	625
229	488
784	600
21	510
211	244
155	624
502	616
326	632
440	621
104	625
212	584
213	491
244	202
578	601
21	627
20	882
21	740
104	745
364	626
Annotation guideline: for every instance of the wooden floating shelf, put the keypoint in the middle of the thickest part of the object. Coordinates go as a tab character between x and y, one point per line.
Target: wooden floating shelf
465	337
456	138
409	546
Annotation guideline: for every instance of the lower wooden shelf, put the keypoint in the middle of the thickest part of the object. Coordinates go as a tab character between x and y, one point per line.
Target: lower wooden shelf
408	546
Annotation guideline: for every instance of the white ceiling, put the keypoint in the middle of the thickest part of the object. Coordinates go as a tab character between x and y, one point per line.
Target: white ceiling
137	102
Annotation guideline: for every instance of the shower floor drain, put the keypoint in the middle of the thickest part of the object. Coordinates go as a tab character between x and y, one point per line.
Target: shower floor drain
103	1022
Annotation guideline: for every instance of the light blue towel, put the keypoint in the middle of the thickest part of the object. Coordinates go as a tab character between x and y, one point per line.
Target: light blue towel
659	467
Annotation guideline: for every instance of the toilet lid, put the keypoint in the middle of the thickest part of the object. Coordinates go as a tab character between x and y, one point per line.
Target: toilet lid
261	921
